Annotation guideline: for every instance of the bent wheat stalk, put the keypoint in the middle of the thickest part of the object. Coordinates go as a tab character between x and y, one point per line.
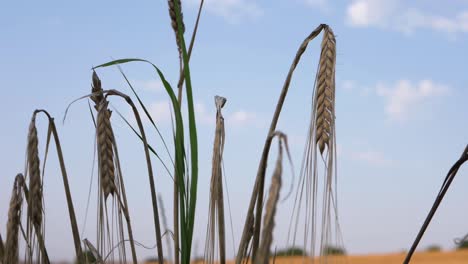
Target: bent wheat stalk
216	206
71	209
321	137
263	254
252	224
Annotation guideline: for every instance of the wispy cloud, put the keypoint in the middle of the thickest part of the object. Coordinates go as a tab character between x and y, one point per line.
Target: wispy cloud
161	112
148	85
348	85
372	157
241	118
321	4
404	97
392	14
233	11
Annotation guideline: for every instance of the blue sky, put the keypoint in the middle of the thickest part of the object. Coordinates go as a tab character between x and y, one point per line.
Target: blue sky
401	105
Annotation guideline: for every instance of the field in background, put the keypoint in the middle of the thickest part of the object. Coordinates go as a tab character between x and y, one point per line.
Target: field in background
454	257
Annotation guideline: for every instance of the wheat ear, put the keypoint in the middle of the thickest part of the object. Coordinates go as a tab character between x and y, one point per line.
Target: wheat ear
325	94
174	24
105	139
14	222
35	185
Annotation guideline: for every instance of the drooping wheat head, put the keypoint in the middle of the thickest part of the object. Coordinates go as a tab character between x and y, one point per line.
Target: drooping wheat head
105	139
35	184
325	91
14	222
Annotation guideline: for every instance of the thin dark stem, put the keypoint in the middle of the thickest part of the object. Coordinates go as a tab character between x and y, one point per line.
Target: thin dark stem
157	225
445	186
189	52
125	204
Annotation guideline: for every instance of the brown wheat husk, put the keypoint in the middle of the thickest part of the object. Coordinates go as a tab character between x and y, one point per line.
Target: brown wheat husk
35	185
325	93
109	167
14	222
97	83
104	139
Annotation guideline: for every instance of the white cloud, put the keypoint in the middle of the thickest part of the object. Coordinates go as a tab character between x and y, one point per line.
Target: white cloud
404	96
364	13
348	85
234	11
392	14
160	111
241	118
203	116
148	85
375	158
322	4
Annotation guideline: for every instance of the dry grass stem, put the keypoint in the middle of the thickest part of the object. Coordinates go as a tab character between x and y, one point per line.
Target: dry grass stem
216	207
14	222
263	254
165	227
71	210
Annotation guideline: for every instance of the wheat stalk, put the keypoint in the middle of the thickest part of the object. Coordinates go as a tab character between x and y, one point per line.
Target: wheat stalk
35	185
14	222
325	93
216	206
253	218
263	254
71	210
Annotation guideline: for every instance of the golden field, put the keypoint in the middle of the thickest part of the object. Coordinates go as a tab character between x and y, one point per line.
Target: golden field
453	257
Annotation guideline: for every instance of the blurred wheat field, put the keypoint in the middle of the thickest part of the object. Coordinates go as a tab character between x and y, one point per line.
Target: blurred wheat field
452	257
